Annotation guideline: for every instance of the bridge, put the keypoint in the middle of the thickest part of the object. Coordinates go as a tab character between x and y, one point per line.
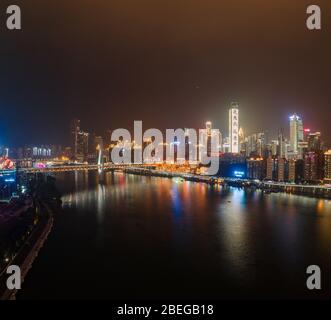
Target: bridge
83	167
321	191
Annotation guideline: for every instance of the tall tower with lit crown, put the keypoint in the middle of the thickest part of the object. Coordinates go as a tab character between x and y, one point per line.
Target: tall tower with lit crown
296	133
234	127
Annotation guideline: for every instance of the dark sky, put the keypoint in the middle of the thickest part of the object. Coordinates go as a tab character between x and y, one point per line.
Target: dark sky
169	63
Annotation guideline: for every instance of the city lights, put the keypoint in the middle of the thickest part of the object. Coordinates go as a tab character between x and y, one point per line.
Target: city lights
164	150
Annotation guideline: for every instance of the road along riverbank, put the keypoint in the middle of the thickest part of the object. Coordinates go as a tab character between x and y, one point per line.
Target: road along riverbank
29	250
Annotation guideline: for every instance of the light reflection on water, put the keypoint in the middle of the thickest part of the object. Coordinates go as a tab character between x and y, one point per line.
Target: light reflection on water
158	237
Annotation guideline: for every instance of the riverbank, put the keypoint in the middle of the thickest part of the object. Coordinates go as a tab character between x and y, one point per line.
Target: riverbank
29	251
317	191
167	174
25	232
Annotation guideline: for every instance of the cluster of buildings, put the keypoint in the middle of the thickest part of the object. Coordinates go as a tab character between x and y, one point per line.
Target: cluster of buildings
301	158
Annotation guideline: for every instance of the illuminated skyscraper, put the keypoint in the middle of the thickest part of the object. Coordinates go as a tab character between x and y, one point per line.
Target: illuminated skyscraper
327	167
314	166
234	127
296	133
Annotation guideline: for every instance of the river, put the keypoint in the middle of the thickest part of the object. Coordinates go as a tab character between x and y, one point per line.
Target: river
133	237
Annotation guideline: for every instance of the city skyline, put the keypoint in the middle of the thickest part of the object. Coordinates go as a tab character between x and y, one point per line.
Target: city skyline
302	157
286	130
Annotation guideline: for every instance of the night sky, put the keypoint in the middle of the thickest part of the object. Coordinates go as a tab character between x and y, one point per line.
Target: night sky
169	63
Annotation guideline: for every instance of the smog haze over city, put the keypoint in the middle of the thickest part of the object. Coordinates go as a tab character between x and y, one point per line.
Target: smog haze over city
169	63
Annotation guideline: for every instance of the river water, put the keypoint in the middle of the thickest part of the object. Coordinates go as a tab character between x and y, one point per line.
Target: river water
132	237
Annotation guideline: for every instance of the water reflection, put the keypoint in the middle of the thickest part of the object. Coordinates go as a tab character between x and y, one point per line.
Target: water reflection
157	237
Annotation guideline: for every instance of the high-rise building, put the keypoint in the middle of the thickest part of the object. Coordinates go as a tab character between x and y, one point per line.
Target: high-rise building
250	145
274	147
96	153
327	167
313	166
74	131
79	142
272	165
256	168
82	146
242	141
291	170
306	132
255	145
296	133
283	170
314	141
226	145
260	144
296	170
282	148
234	127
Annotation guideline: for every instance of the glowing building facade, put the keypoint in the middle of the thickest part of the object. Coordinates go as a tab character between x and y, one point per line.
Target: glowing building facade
234	128
327	167
296	133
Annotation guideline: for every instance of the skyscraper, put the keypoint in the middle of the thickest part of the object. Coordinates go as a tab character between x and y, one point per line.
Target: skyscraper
256	168
314	166
327	167
74	131
296	133
283	170
314	141
282	149
79	142
234	127
82	146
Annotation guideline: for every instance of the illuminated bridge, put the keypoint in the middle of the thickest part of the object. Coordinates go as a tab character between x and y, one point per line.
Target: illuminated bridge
84	167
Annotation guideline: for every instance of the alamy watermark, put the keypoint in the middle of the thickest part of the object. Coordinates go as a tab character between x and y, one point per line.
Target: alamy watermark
14	281
314	280
179	146
14	19
313	22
